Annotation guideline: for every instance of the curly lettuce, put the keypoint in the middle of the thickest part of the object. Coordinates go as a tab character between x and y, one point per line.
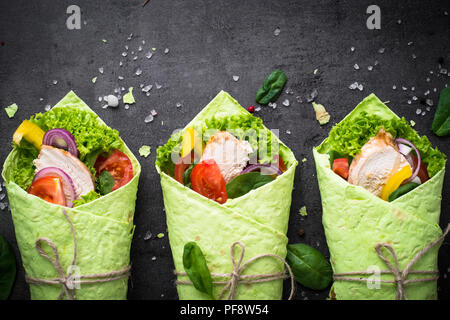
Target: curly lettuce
91	137
244	127
349	137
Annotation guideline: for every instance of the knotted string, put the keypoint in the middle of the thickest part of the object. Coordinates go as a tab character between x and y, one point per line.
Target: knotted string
400	276
236	277
67	281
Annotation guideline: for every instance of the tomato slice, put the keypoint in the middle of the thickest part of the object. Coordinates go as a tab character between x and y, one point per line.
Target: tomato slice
279	162
207	180
423	172
118	165
182	165
340	167
49	189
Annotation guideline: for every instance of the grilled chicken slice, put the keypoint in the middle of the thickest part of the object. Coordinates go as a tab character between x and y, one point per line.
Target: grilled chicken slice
378	160
82	178
230	154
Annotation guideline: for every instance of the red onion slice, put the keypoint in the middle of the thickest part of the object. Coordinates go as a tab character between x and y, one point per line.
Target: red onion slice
409	143
268	166
62	139
68	186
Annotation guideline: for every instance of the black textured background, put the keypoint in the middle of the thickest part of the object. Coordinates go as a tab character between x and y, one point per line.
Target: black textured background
209	42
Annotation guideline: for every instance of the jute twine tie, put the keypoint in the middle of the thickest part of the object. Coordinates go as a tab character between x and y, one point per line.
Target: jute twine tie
68	281
400	276
236	277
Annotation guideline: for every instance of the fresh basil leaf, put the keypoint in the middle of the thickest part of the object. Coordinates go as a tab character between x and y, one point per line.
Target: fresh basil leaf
271	88
441	121
187	175
194	263
105	182
309	266
404	189
243	183
7	269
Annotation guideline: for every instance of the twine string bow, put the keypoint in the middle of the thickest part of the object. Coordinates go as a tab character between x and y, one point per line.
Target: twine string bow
400	276
236	277
67	281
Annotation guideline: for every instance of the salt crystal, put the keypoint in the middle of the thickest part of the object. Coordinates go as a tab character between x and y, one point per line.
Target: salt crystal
414	98
112	101
100	69
418	111
235	78
375	63
147	235
149	118
141	85
428	109
153	259
41	99
429	102
120	77
443	71
147	94
370	68
143	41
423	113
166	50
290	91
394	87
352	49
445	13
135	58
2	196
154	113
2	206
178	104
360	87
313	95
353	86
399	21
277	31
47	107
413	88
288	131
258	109
105	106
409	101
274	105
381	50
130	36
428	79
426	92
158	86
356	66
120	63
100	99
124	54
140	48
404	88
286	103
410	43
431	72
127	106
138	71
147	88
413	56
126	47
55	81
149	55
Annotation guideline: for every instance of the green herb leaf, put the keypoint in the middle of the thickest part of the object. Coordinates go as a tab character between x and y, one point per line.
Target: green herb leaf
7	269
128	97
11	110
309	266
404	189
105	182
194	263
302	211
271	88
441	121
243	183
144	151
91	196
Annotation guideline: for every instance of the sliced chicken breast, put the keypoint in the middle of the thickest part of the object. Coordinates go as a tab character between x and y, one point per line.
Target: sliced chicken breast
378	161
230	154
82	178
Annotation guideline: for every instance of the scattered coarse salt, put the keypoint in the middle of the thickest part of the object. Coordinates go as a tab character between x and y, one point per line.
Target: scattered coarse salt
286	103
100	99
352	49
360	87
413	56
394	87
47	107
428	79
276	32
258	109
178	105
381	50
429	102
353	86
113	101
356	66
120	63
149	55
235	78
147	235
124	54
418	111
426	93
140	48
138	71
147	88
410	43
404	88
154	113
100	70
127	106
120	77
414	98
288	131
135	58
409	101
149	118
370	68
55	81
158	86
166	50
130	36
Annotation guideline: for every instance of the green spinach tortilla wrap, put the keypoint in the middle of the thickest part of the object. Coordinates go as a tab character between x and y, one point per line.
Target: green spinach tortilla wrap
226	178
72	185
380	185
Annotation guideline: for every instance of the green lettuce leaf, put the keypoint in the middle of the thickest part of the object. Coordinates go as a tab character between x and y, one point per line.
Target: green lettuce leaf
348	137
91	196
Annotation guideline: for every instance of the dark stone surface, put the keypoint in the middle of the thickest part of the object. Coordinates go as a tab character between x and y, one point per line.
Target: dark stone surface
209	42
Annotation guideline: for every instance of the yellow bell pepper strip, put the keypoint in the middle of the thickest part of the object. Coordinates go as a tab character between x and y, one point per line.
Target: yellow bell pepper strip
30	132
191	140
394	181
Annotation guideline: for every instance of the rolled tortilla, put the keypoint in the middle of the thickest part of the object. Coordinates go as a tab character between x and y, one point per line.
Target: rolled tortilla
355	221
258	219
104	231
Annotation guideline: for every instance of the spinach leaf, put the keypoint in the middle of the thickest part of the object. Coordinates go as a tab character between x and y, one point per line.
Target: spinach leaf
187	175
194	263
404	189
309	266
441	121
7	269
105	182
243	183
271	88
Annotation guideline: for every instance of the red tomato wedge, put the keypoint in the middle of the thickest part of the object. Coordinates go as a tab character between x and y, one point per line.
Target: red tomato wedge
182	165
279	162
340	167
118	165
49	189
207	180
423	172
